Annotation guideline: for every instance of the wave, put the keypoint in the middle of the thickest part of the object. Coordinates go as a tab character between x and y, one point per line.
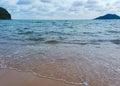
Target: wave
36	39
115	32
51	42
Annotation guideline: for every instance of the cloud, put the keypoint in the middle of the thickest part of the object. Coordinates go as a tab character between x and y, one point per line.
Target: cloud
45	1
24	2
60	9
77	3
92	4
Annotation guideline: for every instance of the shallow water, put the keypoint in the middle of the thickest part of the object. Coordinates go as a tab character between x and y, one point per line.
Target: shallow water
83	52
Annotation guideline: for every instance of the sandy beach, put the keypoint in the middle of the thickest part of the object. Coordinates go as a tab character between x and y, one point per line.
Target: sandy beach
59	72
17	78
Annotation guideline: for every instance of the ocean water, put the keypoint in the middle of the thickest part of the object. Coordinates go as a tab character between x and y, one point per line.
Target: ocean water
60	31
84	52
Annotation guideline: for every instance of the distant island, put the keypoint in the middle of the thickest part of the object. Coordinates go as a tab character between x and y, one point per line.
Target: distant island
4	14
109	16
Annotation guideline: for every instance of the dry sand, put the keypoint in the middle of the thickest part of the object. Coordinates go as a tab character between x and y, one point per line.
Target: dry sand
17	78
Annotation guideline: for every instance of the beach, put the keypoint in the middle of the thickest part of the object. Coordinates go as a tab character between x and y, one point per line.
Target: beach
17	78
73	68
59	53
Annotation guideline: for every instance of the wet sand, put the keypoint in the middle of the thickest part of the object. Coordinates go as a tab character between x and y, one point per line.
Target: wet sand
17	78
62	66
77	71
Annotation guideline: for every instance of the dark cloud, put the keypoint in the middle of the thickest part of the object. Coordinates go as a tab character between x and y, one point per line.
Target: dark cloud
77	3
45	1
23	2
93	5
92	1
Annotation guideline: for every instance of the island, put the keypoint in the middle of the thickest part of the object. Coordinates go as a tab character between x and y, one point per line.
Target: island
4	14
108	16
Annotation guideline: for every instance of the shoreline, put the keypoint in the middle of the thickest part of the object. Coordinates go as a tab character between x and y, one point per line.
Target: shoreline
29	79
43	76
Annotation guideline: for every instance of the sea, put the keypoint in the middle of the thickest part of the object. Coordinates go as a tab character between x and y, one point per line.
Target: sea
85	51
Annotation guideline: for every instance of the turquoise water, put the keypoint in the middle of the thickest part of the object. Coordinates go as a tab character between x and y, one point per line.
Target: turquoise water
62	31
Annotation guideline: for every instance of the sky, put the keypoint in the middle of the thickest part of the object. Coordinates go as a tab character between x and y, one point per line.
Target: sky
60	9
